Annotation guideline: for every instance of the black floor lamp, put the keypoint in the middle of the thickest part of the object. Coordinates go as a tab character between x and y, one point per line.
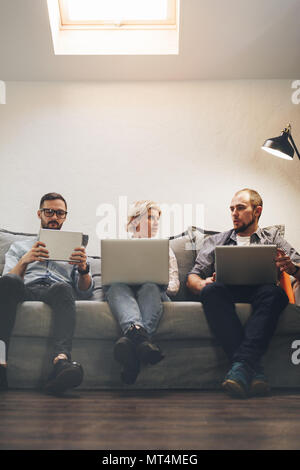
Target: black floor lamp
281	146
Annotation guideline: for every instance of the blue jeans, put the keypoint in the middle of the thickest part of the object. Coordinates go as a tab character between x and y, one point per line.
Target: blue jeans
139	305
245	343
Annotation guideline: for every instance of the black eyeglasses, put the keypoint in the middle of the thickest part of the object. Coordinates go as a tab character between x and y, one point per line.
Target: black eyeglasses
60	214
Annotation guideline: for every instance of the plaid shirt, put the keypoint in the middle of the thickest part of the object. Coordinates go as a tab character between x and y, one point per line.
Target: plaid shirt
205	261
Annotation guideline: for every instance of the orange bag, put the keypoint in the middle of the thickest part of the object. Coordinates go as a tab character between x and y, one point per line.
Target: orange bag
286	285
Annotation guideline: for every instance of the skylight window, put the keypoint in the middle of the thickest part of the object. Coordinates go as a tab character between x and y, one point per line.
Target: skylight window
114	27
117	13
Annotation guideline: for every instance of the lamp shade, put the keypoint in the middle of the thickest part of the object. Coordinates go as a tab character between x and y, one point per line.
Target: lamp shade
280	146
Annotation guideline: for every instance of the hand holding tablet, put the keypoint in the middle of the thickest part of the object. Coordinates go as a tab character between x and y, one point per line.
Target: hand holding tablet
56	245
38	252
79	257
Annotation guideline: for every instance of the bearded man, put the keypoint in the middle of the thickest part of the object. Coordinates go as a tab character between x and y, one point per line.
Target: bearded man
29	275
243	345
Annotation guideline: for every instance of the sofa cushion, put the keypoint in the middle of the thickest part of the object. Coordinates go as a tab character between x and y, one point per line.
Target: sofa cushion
6	239
180	321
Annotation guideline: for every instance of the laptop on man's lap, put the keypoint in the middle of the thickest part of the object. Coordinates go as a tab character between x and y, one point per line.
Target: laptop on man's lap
246	265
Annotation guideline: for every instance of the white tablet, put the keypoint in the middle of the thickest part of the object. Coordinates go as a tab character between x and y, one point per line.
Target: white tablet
60	244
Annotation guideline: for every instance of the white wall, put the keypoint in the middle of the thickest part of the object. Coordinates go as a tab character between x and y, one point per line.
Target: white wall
183	142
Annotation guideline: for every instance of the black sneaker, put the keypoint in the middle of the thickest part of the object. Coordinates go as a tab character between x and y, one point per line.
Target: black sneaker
125	354
65	375
3	379
147	352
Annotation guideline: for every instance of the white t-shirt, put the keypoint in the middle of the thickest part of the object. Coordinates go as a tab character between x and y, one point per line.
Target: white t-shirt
243	241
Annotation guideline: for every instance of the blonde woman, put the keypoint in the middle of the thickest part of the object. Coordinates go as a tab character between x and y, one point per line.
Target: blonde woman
138	309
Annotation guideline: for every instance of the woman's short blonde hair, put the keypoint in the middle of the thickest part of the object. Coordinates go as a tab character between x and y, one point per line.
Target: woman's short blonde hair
138	209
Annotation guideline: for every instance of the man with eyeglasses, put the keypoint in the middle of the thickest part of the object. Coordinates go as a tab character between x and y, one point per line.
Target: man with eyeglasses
28	275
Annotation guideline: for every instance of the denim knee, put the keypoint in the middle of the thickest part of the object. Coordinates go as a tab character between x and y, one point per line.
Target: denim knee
149	287
212	289
11	285
275	292
116	288
61	292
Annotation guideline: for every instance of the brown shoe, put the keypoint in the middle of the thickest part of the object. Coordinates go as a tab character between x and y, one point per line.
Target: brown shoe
259	385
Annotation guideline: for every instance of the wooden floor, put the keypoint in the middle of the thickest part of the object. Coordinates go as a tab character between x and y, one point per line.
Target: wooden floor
165	420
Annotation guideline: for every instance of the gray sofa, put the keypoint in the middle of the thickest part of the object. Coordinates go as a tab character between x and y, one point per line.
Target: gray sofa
193	359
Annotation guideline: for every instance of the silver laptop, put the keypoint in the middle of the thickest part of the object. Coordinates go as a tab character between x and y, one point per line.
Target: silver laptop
246	265
60	244
135	261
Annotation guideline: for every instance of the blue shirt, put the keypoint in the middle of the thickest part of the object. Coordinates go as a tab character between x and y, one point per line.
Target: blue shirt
205	261
50	271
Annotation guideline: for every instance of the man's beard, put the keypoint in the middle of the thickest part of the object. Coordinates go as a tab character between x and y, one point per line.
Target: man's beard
244	227
47	225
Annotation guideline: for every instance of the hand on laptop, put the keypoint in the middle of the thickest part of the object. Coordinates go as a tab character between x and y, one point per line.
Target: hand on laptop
210	280
284	262
79	257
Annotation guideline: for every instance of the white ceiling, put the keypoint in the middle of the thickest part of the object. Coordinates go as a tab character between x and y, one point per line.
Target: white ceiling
219	39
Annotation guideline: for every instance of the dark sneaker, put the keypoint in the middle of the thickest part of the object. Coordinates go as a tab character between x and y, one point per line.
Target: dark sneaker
259	385
125	354
237	381
65	375
147	352
3	379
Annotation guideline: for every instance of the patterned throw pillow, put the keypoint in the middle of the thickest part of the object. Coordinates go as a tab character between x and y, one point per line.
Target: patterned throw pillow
6	239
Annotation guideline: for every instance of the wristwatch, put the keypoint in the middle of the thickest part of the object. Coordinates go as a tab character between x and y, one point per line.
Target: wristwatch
86	270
